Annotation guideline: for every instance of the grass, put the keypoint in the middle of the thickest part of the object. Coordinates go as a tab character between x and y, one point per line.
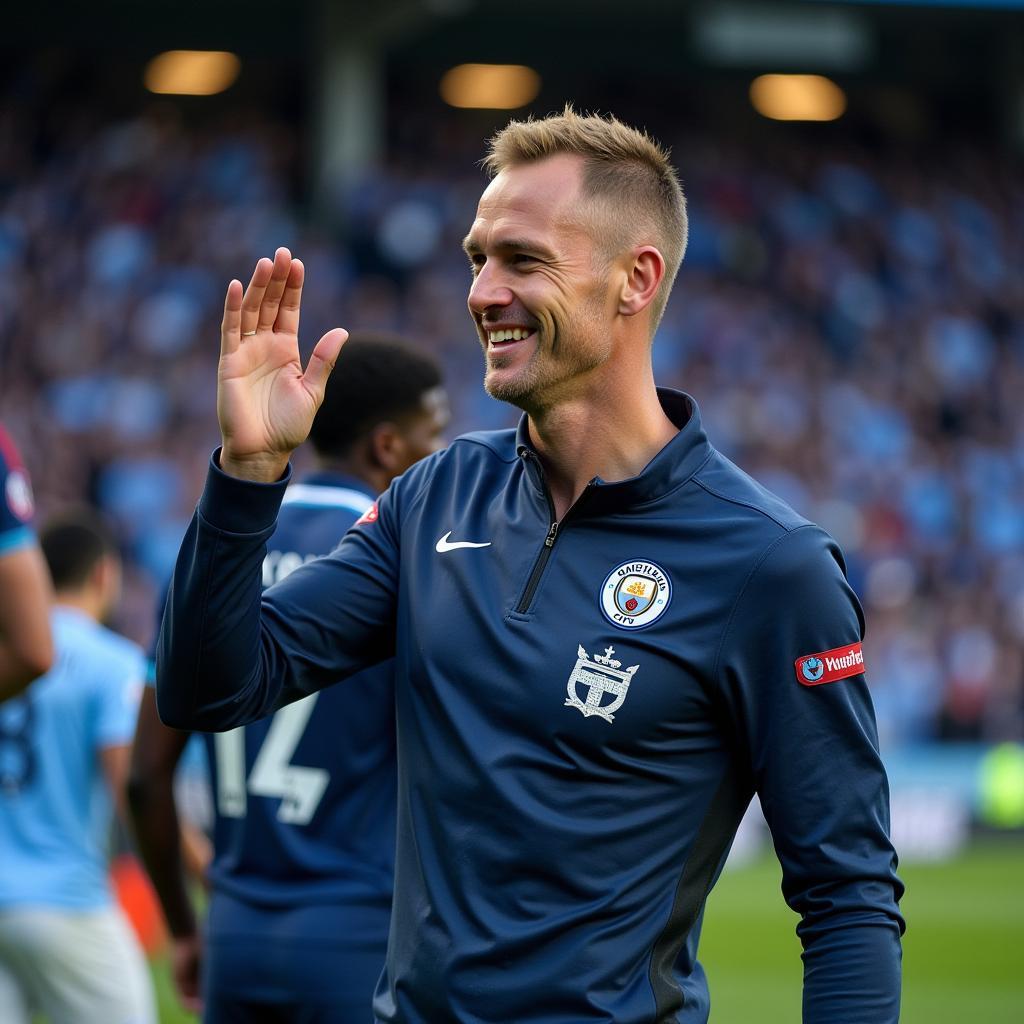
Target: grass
961	953
962	957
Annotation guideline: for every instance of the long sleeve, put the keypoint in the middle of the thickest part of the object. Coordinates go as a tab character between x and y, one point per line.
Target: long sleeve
226	655
813	753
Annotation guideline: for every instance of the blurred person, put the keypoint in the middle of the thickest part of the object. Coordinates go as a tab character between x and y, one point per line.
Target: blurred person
304	829
563	813
26	647
66	949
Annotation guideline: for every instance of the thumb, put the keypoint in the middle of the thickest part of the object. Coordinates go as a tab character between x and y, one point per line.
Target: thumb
322	361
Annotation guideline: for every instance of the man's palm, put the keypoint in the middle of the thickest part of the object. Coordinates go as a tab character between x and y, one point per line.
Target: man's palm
265	403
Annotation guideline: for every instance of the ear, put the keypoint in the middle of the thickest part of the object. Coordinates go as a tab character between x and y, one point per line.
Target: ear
106	583
387	447
99	575
643	278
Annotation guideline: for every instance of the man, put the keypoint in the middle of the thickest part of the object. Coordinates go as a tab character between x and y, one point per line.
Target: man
607	637
26	649
66	950
304	834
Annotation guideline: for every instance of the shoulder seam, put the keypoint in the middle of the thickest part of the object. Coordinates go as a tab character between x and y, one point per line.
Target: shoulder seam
761	559
747	504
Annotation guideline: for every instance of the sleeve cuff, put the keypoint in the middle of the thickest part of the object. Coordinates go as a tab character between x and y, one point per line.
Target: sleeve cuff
16	539
240	506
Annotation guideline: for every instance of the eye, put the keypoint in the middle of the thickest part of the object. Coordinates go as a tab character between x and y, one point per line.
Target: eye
521	258
476	261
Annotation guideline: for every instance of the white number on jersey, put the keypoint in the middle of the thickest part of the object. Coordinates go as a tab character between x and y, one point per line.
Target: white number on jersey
300	788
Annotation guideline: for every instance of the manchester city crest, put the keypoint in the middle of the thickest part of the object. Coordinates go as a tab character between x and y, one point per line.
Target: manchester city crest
602	682
635	594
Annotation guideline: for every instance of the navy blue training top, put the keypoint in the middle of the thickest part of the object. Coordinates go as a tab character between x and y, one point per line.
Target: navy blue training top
584	711
304	806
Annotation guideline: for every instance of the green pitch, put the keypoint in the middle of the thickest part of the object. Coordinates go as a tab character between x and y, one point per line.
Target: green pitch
962	954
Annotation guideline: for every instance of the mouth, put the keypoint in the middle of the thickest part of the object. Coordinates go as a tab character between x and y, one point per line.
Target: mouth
502	340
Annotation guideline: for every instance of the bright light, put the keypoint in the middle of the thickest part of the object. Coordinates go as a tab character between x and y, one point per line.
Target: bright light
490	86
797	97
192	72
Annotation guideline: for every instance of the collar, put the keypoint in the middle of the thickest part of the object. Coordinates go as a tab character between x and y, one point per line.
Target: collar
334	478
670	468
327	489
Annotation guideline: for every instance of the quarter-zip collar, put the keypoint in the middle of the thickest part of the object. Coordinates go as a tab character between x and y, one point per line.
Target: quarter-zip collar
670	468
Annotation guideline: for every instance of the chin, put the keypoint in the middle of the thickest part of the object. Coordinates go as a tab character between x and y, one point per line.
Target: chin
515	389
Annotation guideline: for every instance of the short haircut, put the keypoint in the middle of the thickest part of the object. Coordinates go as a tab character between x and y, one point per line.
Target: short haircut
378	377
625	170
73	544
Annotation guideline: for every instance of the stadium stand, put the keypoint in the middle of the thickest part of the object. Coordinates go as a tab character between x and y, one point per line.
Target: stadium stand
851	327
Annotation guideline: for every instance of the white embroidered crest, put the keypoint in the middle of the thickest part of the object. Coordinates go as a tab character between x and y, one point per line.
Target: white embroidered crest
602	675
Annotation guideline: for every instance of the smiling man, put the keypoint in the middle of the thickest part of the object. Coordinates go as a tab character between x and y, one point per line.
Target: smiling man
598	622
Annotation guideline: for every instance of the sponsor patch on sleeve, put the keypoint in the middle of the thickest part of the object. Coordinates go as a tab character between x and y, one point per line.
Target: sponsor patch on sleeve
828	666
369	516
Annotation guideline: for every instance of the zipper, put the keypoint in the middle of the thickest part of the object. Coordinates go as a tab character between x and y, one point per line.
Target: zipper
523	606
538	569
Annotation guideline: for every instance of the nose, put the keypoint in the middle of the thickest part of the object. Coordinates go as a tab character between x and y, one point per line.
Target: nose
488	290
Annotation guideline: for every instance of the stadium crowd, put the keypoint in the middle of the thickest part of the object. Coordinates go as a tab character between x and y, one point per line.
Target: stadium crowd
853	330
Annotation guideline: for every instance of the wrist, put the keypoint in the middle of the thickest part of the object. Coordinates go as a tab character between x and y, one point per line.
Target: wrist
266	468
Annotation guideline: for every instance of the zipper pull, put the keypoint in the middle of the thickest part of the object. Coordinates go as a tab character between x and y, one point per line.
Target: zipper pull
549	540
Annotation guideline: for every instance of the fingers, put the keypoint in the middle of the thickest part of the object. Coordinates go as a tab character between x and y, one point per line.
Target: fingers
291	300
230	326
253	297
322	361
270	302
272	296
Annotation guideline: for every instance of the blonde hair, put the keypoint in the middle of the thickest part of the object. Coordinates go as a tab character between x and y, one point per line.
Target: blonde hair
625	170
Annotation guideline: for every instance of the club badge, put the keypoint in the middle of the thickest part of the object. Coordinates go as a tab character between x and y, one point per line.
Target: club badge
18	492
635	594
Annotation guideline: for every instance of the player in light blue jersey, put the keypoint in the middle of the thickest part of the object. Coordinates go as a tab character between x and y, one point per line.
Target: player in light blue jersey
26	650
66	950
305	800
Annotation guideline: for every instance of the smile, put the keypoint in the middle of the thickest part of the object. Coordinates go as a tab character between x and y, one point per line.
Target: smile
507	336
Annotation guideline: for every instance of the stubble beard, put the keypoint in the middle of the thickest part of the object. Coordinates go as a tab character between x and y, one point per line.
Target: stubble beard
539	383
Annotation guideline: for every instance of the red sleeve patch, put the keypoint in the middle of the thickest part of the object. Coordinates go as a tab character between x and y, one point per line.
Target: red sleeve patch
828	666
369	516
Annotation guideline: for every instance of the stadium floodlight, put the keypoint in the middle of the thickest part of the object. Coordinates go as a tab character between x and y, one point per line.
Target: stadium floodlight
490	86
797	97
191	72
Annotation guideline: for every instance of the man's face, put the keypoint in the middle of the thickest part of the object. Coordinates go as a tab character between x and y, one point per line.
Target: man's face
422	432
540	296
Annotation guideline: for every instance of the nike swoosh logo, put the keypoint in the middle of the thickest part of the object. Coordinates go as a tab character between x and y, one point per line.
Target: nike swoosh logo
444	544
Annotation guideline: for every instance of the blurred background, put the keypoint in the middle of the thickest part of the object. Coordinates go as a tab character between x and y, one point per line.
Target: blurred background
849	315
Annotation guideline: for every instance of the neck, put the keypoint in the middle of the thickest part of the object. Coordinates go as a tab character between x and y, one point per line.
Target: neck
612	434
84	601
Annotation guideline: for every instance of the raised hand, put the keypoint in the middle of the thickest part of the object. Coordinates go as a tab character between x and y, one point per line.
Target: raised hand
265	403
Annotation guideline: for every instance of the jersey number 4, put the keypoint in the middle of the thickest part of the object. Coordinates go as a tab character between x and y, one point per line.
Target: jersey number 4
299	788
